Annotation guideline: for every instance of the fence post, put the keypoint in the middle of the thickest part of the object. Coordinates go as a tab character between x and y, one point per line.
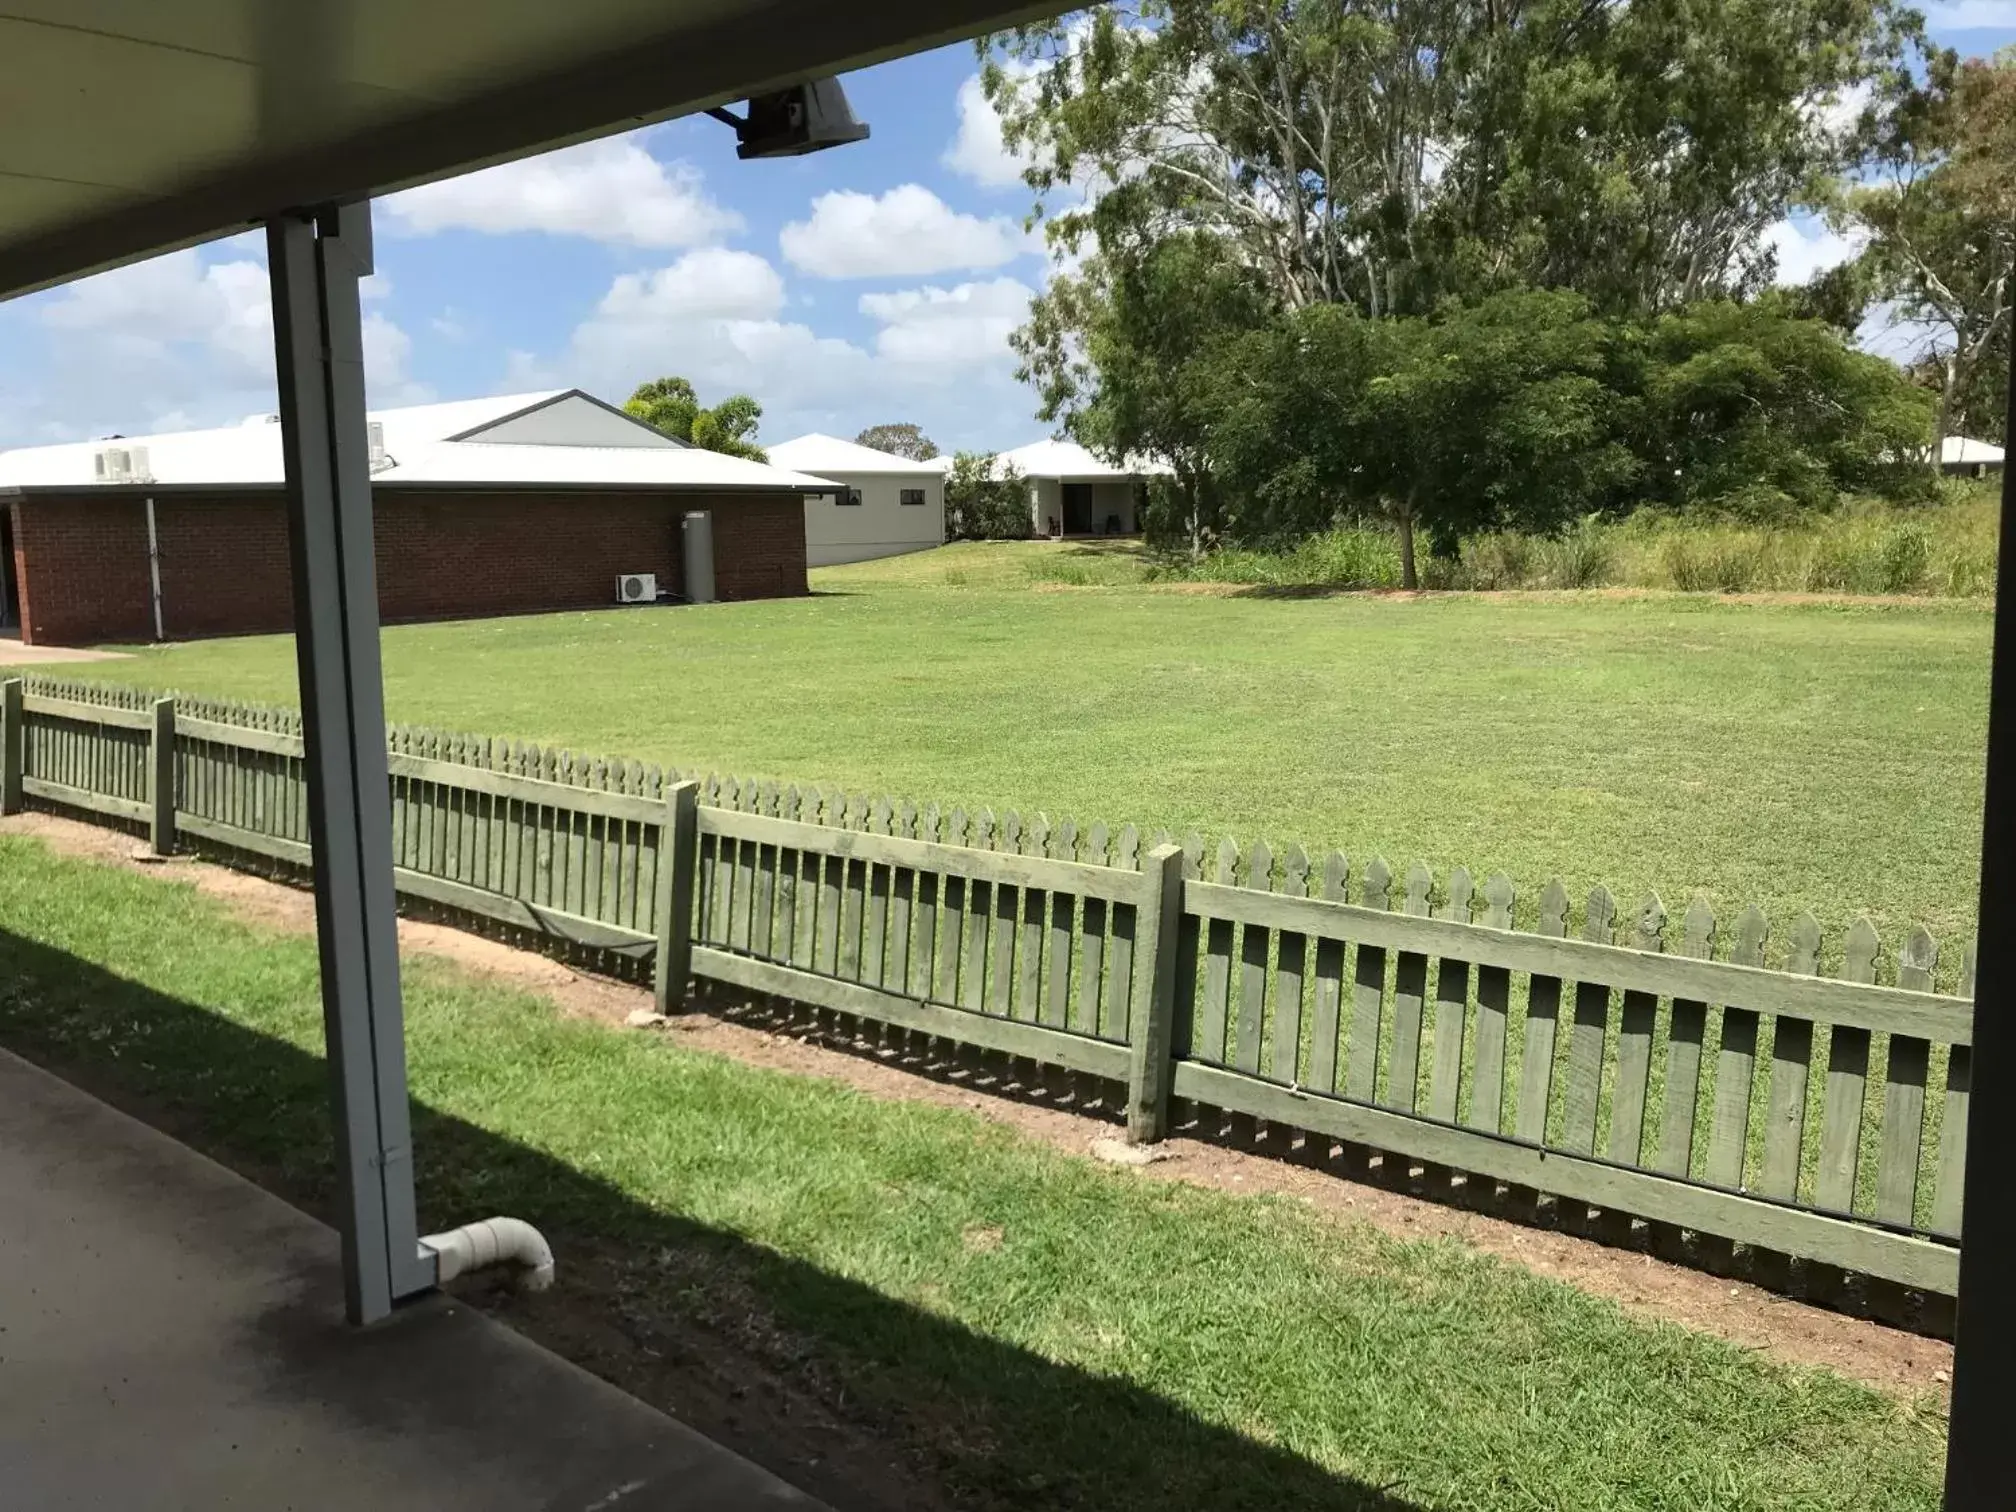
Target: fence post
678	852
1151	1068
13	745
161	786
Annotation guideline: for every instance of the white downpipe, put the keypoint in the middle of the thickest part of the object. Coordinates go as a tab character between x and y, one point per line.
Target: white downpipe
154	571
492	1242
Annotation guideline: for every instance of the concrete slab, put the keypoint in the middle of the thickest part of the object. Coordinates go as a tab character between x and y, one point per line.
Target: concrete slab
14	654
171	1337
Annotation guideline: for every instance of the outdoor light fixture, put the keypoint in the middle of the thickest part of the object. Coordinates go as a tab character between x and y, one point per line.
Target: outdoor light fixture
792	122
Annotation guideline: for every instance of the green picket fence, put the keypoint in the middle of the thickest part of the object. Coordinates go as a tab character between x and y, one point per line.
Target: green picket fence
1698	1075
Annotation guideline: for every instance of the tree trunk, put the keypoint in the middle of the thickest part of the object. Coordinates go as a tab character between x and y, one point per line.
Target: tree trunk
1408	577
1949	381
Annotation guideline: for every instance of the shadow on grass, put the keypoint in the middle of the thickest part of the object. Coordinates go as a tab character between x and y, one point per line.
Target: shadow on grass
981	1422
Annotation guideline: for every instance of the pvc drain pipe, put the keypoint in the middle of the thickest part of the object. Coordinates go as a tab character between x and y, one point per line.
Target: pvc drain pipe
494	1241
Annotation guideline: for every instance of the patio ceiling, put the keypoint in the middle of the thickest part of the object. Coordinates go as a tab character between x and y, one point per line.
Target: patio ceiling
129	127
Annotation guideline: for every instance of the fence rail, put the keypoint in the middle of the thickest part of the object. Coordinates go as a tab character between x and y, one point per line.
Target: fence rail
1819	1116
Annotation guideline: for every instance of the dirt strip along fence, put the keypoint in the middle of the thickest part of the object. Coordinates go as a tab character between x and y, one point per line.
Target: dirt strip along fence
1697	1073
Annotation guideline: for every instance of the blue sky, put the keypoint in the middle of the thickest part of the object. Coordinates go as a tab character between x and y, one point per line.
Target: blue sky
872	283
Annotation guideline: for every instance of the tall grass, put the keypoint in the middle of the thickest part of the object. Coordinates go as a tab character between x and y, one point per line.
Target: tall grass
1946	550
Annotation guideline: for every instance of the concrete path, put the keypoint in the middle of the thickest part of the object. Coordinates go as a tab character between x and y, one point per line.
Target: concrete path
171	1338
14	654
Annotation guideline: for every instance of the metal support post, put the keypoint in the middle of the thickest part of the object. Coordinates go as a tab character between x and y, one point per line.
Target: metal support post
1980	1459
315	261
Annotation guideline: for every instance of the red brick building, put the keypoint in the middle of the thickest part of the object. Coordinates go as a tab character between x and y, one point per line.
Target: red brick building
515	505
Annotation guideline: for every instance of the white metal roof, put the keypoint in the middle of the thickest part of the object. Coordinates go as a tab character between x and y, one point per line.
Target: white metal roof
128	127
681	468
826	455
1964	451
1070	462
429	444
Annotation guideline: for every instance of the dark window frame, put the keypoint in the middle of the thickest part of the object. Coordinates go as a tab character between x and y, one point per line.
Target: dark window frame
910	497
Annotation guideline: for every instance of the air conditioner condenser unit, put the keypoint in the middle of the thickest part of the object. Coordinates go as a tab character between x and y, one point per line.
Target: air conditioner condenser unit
637	588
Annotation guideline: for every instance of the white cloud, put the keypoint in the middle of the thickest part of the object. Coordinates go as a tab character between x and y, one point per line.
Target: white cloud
966	326
375	286
908	231
713	317
387	350
977	151
720	319
713	282
610	191
524	371
170	343
1807	247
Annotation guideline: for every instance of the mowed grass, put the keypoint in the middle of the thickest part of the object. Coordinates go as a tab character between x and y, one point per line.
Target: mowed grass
1795	755
1032	1327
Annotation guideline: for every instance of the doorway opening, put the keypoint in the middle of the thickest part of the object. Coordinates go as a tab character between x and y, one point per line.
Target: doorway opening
10	585
1077	499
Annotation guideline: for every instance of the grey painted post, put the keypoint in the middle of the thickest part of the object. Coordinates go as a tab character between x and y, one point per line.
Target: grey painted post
13	745
678	853
316	261
1151	1067
1980	1459
161	785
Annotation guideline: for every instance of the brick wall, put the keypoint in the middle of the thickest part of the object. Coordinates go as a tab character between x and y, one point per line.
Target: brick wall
224	566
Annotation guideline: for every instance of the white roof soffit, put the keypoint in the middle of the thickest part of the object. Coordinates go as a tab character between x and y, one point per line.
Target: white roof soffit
130	127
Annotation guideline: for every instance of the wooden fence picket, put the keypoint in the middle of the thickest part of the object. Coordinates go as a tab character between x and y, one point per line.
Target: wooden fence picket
1452	1008
1213	1022
1062	845
1255	946
1736	1064
1368	994
1029	948
1791	1073
1123	924
1292	951
1637	1022
1904	1075
1543	1016
1687	1036
1847	1082
1494	1008
1583	1092
1946	1200
1003	926
1326	1025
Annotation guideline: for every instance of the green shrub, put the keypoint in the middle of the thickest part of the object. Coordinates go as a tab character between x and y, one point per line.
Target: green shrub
1865	547
1580	559
1349	557
1907	554
1686	563
1503	559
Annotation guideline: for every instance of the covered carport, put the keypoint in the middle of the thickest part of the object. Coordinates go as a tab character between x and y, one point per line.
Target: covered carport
135	126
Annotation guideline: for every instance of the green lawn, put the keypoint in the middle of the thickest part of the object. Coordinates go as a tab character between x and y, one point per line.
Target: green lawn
1033	1328
1797	756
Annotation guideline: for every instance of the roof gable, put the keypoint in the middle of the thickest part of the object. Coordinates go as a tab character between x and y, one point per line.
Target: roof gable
819	453
568	418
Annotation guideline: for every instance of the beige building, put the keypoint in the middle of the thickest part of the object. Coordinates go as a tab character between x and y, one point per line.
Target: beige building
1073	493
884	505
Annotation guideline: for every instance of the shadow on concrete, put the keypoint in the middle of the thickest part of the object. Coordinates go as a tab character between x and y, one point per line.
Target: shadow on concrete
969	1420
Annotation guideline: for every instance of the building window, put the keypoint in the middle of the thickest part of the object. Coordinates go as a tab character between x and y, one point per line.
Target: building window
848	496
910	496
